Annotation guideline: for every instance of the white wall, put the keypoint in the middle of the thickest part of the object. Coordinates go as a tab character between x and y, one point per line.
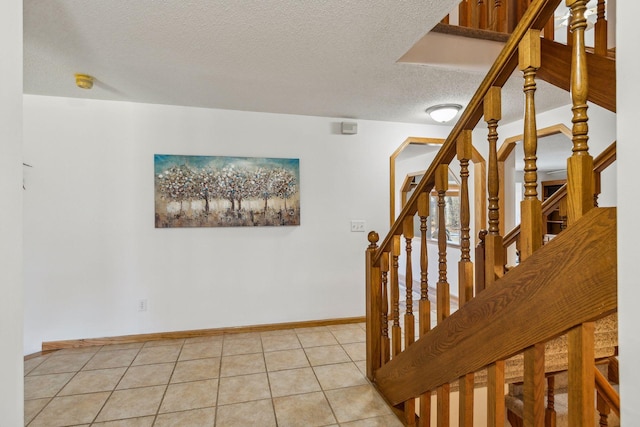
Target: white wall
11	301
627	63
407	165
91	249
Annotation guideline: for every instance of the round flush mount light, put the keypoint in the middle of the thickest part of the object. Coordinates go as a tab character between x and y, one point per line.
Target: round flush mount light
444	112
84	81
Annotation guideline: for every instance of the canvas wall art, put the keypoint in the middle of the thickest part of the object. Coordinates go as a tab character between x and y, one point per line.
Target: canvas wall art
215	191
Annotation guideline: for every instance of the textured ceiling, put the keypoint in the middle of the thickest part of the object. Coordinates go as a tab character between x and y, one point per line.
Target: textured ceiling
334	58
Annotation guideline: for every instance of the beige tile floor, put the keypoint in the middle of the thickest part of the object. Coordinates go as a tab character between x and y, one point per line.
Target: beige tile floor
297	377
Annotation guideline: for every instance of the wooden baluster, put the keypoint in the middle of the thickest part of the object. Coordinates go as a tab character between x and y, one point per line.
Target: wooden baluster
534	410
424	308
562	211
601	30
482	15
465	267
550	29
495	394
603	410
480	262
443	297
445	20
474	17
464	13
522	6
550	412
581	375
500	16
580	164
409	319
494	252
491	15
385	347
442	185
396	331
373	283
531	206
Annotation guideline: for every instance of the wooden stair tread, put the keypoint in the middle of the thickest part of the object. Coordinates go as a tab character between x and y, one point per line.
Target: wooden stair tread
514	403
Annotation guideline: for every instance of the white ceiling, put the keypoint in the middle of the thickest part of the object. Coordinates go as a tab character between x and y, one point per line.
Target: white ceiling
333	58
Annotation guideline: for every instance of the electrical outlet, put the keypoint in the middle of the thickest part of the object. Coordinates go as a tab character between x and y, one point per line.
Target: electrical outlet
357	226
142	305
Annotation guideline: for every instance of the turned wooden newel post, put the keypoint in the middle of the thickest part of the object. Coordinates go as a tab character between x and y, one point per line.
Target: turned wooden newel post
580	164
494	249
374	312
530	207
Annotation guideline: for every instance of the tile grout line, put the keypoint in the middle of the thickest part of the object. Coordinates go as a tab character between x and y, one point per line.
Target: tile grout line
54	396
215	415
333	334
333	412
65	384
266	370
116	386
164	394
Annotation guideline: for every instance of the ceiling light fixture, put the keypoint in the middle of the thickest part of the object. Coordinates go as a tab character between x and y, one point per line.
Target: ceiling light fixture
444	112
84	81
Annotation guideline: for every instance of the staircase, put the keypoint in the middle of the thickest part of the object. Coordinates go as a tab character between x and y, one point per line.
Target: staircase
538	329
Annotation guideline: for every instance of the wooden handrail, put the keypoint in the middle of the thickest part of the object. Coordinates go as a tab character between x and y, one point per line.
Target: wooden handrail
535	17
605	159
493	326
608	393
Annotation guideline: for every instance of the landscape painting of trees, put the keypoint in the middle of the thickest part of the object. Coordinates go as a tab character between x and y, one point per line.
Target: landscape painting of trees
213	191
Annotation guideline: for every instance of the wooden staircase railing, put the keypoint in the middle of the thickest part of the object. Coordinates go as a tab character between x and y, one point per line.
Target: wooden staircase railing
499	19
600	164
556	289
502	16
